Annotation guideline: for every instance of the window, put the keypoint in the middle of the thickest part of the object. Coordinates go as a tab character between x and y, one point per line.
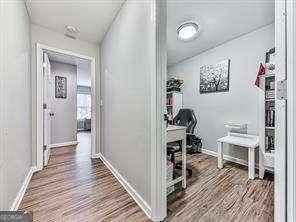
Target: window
83	106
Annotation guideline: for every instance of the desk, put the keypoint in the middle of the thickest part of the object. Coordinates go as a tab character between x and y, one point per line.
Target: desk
243	140
177	133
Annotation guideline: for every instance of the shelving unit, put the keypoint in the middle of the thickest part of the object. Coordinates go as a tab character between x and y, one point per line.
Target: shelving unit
174	103
267	117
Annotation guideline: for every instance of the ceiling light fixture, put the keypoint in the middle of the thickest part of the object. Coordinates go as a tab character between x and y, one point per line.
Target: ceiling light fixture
187	31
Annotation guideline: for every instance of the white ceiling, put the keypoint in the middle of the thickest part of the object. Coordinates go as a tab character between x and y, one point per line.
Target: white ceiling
91	17
83	66
220	21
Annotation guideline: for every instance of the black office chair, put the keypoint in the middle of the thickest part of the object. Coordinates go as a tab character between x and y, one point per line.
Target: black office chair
185	117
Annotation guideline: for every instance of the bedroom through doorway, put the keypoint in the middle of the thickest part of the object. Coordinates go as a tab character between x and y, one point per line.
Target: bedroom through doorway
67	95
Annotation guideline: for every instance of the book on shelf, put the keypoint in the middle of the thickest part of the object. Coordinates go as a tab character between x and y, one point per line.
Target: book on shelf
269	94
270	85
169	101
269	143
270	117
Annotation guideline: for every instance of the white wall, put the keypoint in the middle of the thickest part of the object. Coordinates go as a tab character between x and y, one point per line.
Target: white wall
54	39
15	97
64	121
240	104
84	74
127	67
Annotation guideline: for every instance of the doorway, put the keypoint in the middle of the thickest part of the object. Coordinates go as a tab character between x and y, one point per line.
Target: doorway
279	158
67	115
83	107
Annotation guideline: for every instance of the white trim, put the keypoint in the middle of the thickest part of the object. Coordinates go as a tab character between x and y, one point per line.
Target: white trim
158	107
291	110
280	156
137	197
96	156
71	143
39	100
211	153
39	112
228	158
18	199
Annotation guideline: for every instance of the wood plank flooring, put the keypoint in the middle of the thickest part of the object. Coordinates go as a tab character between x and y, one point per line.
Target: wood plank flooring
75	188
222	194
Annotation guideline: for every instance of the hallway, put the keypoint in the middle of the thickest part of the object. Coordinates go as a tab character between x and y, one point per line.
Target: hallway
75	188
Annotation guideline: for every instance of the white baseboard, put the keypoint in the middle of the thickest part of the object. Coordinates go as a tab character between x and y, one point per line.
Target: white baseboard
96	156
228	158
71	143
139	200
18	199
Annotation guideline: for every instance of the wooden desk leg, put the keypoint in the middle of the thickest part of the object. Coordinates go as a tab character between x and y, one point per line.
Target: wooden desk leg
251	165
184	162
220	155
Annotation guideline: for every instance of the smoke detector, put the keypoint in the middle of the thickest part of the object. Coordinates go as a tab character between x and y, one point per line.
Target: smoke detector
71	31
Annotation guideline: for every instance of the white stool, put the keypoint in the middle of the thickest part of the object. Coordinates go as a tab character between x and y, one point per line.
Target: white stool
243	140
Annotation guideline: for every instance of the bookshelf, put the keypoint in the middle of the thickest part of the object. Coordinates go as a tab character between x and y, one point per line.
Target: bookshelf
174	103
267	116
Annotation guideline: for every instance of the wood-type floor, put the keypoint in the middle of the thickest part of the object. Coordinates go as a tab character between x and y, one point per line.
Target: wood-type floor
75	188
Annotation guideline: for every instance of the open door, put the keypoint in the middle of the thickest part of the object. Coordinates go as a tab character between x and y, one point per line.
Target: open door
280	193
46	108
291	111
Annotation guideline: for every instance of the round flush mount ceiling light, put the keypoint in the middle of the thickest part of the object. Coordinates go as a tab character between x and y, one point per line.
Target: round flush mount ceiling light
187	31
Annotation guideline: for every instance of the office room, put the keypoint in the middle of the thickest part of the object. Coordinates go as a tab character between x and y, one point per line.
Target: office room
221	90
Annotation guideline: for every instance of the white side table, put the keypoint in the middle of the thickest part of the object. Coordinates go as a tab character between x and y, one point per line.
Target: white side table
243	140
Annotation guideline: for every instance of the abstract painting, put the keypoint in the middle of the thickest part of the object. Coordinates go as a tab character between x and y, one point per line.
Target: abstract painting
60	87
215	78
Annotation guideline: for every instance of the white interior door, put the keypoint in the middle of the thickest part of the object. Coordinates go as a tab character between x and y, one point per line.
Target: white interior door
46	108
291	111
281	112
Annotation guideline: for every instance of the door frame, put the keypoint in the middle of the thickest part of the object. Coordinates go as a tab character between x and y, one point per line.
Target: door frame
40	48
285	205
291	110
158	107
281	130
46	80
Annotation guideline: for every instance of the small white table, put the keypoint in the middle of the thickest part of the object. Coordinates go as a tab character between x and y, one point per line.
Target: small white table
177	133
243	140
